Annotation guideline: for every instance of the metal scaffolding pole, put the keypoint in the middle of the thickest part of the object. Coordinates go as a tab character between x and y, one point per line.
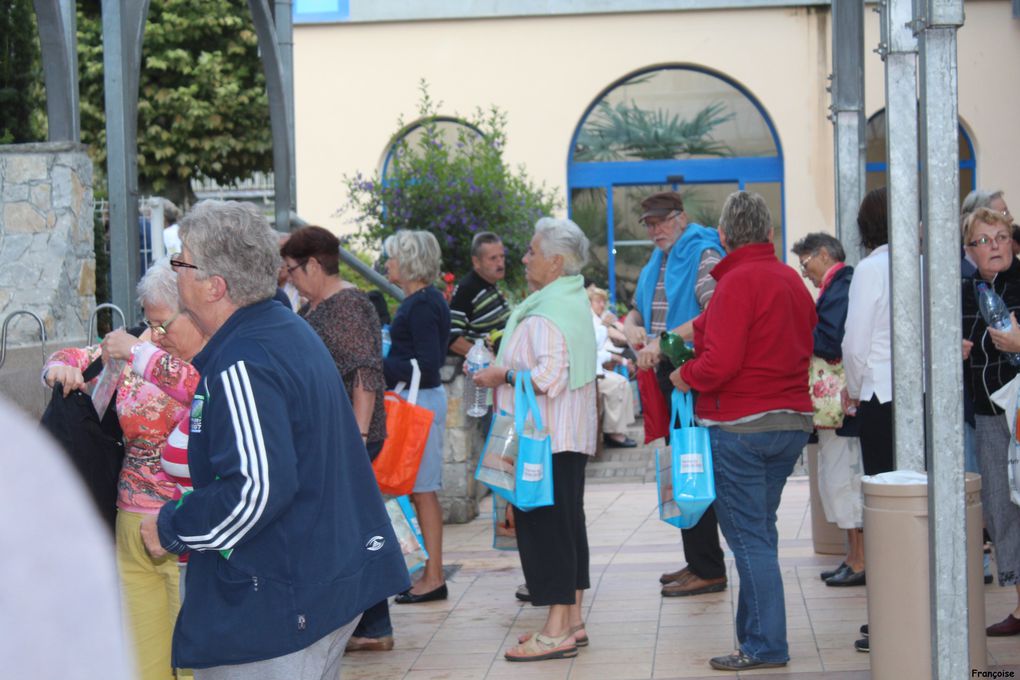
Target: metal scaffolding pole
936	25
57	24
279	118
285	41
123	28
848	118
898	48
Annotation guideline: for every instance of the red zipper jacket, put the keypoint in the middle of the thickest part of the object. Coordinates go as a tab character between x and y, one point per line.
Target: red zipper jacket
753	343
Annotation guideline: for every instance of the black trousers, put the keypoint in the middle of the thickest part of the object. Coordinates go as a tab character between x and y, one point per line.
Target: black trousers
553	541
876	431
701	542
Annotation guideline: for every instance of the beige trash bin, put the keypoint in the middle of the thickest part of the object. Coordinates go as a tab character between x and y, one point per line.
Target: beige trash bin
896	554
826	537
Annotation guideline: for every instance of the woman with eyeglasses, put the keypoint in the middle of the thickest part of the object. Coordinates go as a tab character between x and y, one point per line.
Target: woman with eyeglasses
987	237
153	397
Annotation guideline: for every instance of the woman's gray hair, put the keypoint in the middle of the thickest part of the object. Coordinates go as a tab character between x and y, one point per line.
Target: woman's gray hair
158	286
564	238
417	253
978	198
745	219
812	243
234	241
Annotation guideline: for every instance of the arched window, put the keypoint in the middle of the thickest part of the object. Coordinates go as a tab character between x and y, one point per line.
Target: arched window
676	127
450	131
875	156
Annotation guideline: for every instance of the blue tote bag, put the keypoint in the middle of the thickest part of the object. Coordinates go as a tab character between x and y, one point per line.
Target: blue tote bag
685	479
516	462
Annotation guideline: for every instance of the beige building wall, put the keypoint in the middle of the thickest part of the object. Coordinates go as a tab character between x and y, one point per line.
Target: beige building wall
353	82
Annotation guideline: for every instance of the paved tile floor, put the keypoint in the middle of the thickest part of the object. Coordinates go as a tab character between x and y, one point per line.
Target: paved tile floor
635	633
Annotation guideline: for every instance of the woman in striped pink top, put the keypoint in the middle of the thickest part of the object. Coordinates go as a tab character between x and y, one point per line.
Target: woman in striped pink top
550	334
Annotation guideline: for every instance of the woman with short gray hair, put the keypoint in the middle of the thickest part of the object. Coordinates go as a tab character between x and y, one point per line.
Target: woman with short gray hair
550	334
744	220
420	331
246	255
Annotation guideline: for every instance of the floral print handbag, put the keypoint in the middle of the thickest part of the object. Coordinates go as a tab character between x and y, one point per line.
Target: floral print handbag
826	381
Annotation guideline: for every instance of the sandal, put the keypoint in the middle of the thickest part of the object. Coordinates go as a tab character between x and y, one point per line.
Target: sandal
574	630
539	647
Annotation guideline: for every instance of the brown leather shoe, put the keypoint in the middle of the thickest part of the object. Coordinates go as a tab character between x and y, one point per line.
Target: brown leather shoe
1008	626
675	576
694	585
383	644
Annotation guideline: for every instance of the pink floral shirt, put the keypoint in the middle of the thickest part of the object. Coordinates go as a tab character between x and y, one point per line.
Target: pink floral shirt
148	409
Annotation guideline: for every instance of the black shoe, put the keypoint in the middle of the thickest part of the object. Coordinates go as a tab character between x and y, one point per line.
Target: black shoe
738	661
523	594
407	597
864	630
862	645
848	577
627	442
826	575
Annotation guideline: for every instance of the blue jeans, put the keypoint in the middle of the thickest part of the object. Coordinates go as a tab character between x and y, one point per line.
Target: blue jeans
750	473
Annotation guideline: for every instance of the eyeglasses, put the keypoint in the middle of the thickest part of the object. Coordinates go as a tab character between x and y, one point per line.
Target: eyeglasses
1001	238
290	270
176	264
160	329
804	262
653	222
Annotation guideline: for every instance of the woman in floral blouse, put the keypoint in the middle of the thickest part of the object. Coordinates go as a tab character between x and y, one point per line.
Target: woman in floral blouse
154	394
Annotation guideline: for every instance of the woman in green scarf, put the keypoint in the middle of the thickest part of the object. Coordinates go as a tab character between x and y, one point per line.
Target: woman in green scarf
550	334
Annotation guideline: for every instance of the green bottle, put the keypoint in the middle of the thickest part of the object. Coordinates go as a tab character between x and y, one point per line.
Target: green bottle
675	349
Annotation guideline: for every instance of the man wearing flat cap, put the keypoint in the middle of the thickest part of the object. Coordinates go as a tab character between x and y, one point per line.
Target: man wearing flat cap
674	287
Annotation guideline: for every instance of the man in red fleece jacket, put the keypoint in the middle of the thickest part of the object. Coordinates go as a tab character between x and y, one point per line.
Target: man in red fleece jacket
752	348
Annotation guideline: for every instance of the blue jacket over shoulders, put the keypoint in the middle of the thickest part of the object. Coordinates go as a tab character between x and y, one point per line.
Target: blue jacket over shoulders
288	533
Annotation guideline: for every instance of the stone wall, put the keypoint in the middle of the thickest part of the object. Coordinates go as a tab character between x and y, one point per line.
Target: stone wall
464	438
47	263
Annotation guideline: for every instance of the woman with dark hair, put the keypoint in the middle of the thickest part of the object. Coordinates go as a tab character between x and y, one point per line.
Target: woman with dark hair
347	322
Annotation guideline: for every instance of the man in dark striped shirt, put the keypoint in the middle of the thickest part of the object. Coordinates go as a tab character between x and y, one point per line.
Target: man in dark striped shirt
477	308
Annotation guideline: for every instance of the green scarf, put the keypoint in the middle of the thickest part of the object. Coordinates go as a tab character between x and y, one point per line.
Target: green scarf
566	305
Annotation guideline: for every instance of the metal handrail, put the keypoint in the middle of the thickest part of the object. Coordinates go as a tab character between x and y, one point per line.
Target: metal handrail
3	332
95	313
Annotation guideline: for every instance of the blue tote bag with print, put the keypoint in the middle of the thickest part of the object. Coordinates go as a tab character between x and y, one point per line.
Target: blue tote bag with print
685	479
516	462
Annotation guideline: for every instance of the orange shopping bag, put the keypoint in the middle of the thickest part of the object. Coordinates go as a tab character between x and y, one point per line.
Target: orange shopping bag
407	430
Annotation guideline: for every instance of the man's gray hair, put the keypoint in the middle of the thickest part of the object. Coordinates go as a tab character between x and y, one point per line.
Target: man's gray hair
158	286
563	237
234	241
978	198
171	213
745	219
417	253
812	243
483	238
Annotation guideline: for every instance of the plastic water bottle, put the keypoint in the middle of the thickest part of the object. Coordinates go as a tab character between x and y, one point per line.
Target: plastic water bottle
386	340
996	315
477	358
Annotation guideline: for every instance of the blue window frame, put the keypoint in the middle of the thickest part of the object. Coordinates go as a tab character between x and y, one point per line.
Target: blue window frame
679	127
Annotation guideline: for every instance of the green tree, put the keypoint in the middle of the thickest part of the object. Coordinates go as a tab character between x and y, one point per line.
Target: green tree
21	82
202	110
452	188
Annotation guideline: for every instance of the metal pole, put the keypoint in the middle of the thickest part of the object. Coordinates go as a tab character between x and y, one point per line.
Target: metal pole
848	118
278	115
285	41
937	24
899	50
57	37
123	27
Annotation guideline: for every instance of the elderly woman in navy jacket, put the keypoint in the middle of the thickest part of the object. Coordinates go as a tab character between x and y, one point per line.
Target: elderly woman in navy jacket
839	457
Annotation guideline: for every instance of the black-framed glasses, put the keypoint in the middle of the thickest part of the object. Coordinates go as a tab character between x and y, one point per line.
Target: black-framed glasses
299	265
1001	238
176	264
160	329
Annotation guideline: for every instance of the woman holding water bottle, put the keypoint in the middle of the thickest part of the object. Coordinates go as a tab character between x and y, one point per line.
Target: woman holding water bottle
420	331
987	237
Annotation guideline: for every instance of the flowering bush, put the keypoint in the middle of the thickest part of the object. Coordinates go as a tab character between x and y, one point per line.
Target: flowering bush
452	186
